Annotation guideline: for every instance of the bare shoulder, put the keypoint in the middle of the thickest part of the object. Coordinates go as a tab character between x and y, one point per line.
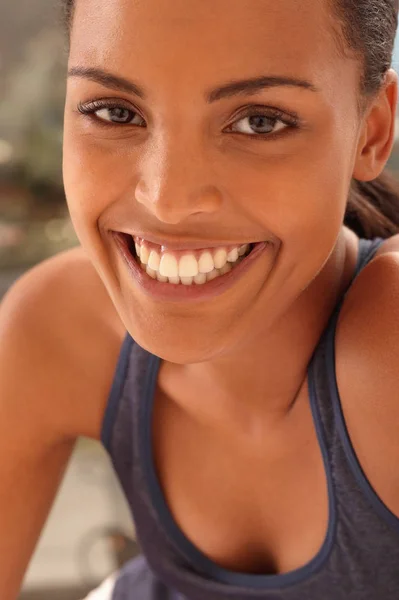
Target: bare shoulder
367	365
60	315
368	327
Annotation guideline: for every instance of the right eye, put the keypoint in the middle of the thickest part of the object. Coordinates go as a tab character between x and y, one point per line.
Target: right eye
110	113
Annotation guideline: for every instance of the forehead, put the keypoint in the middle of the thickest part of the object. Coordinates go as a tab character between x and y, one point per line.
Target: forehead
201	40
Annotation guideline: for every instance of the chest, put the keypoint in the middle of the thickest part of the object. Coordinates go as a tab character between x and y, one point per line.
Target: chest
257	510
267	511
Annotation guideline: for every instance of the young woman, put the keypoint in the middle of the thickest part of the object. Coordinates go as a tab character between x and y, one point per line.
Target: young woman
229	326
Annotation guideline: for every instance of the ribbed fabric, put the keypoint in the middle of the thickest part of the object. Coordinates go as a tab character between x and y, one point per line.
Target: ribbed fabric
359	558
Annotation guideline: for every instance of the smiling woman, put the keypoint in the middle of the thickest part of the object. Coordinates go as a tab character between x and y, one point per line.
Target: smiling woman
224	171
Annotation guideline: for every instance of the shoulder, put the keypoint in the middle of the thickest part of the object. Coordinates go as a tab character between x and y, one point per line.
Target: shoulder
367	335
59	326
369	319
367	367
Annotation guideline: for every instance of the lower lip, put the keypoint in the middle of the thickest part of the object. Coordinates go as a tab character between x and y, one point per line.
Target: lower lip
177	293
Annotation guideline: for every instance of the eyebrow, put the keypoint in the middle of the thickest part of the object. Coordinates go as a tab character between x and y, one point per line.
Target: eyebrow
228	89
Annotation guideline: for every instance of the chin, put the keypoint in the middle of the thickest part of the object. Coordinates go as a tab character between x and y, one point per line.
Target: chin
179	347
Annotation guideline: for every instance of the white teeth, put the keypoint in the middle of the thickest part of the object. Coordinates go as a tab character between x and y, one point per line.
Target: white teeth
227	267
154	260
232	255
161	278
200	278
144	254
188	266
151	272
186	280
205	263
219	258
174	280
168	266
212	275
189	269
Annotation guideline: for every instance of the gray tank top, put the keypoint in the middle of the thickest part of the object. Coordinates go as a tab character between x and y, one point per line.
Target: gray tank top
359	558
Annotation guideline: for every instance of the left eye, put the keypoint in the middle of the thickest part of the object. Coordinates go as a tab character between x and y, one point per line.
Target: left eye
110	113
117	114
258	125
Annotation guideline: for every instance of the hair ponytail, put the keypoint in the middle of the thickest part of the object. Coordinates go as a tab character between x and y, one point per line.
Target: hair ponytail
373	207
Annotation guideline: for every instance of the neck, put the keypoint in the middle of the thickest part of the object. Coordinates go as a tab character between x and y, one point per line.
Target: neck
258	384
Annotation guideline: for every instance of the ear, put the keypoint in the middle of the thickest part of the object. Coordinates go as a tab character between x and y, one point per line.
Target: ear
378	131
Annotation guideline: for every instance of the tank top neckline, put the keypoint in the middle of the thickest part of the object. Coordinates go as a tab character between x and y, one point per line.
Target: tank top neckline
195	556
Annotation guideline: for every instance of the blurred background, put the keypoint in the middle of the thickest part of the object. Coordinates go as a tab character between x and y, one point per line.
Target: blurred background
89	532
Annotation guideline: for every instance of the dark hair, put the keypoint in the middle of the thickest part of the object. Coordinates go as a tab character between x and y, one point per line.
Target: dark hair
367	28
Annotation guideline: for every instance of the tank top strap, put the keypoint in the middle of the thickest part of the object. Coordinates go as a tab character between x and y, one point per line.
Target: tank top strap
117	388
367	251
321	372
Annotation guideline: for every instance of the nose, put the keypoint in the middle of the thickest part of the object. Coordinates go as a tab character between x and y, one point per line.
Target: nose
177	182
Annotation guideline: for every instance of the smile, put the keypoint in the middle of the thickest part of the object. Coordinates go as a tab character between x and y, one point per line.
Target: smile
187	267
183	275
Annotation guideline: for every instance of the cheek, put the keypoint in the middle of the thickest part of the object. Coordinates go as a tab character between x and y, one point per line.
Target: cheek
297	196
95	176
300	199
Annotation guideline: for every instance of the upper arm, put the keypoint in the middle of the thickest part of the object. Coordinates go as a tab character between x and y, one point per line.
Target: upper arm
367	340
45	404
367	366
34	450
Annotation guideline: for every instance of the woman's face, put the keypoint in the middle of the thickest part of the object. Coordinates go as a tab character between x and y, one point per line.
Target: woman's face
181	163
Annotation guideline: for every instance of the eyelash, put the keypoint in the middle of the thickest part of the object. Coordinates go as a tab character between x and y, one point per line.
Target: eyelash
274	114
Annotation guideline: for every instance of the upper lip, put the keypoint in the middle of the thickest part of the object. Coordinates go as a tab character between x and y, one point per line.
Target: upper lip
181	243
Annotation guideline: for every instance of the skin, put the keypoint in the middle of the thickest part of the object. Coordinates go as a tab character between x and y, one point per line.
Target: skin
232	389
187	174
183	177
